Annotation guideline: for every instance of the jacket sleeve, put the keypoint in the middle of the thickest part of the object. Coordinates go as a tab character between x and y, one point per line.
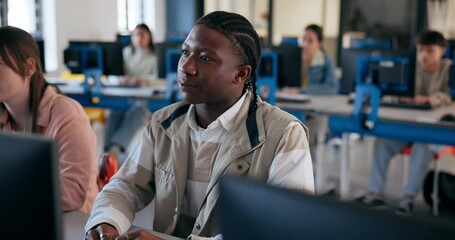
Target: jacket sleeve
292	166
130	189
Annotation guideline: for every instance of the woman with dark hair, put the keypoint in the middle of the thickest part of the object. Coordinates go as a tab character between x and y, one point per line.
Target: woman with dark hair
141	69
221	127
318	69
29	105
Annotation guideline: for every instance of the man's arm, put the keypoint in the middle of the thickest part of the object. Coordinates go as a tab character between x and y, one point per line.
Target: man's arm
292	166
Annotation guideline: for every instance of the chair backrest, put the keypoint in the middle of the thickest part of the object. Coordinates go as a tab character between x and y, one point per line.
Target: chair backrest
108	166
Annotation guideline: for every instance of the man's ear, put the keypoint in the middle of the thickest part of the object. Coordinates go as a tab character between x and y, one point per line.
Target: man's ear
243	73
31	66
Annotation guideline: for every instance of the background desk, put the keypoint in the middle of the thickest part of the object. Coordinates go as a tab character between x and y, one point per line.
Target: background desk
394	123
74	223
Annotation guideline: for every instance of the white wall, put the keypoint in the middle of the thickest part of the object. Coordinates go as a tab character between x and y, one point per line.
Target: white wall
291	16
77	20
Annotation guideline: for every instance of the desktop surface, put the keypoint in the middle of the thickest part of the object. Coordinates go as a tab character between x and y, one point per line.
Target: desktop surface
266	212
29	188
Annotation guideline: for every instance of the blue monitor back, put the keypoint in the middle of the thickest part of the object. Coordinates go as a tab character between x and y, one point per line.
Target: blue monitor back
371	43
289	41
29	188
161	50
124	39
349	59
391	74
250	210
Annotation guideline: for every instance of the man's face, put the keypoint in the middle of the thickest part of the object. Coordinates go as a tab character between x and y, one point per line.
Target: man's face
208	67
429	56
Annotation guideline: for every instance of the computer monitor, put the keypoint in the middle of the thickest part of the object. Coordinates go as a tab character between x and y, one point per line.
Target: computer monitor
452	80
161	51
391	74
450	49
124	39
251	210
349	58
371	43
289	65
40	42
29	186
77	59
289	41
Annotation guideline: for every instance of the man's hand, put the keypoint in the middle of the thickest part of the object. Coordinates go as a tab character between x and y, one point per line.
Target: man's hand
102	232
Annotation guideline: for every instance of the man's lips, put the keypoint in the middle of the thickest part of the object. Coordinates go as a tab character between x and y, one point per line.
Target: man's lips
186	84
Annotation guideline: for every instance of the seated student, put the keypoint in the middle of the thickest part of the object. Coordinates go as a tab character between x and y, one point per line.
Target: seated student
318	77
140	68
318	68
432	87
28	104
221	127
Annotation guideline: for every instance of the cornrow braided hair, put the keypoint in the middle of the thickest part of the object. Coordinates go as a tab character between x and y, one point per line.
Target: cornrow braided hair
245	43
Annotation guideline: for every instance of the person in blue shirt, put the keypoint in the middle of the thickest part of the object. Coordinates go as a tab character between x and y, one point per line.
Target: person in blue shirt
318	68
318	77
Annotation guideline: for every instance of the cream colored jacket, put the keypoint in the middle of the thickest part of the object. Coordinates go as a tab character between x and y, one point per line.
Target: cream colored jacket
247	150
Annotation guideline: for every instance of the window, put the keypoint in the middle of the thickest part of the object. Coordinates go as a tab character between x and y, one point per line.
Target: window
23	14
130	13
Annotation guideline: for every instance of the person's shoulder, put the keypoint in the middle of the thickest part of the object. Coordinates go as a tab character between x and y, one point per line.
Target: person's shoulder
172	111
65	107
128	50
275	114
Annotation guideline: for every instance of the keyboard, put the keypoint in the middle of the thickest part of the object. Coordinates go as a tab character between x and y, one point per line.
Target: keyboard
292	97
426	106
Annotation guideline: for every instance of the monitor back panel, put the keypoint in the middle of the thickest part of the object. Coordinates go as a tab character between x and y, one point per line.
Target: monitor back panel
249	210
29	202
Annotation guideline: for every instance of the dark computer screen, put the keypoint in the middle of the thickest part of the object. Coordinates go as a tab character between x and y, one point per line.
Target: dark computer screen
450	49
349	58
161	50
289	65
250	210
452	80
78	60
29	186
124	39
40	43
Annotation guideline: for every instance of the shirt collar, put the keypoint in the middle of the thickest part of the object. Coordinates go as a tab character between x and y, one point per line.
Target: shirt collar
226	120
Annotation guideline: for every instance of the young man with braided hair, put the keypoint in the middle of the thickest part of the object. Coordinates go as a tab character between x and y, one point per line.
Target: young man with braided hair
221	127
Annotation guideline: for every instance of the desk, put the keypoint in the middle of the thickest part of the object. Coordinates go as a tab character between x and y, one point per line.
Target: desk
74	223
118	98
394	123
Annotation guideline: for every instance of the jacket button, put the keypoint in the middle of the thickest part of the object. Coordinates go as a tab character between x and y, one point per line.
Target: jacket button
198	226
239	167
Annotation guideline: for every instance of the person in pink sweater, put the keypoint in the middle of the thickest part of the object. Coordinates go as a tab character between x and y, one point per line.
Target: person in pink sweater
30	105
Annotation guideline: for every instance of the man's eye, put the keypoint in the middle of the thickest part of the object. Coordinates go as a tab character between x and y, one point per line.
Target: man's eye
205	58
185	52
